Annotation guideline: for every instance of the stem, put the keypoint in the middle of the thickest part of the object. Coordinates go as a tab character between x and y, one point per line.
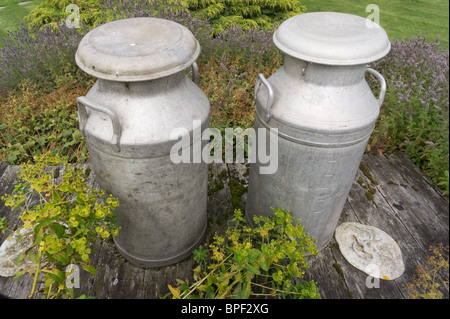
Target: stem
199	283
36	274
277	290
49	290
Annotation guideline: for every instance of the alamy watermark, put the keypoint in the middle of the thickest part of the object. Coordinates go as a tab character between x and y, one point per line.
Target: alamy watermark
72	276
373	280
373	19
265	152
73	19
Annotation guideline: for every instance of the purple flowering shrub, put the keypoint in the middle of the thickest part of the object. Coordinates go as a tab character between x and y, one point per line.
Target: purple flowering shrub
415	114
46	55
42	56
250	44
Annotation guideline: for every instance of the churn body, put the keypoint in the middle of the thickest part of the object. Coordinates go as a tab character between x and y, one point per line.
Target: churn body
141	97
324	111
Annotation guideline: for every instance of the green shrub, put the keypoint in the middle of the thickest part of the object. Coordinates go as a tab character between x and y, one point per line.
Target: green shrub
414	117
52	11
44	56
33	123
244	13
267	260
67	216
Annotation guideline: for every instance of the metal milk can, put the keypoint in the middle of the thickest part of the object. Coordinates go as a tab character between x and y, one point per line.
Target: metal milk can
141	96
324	111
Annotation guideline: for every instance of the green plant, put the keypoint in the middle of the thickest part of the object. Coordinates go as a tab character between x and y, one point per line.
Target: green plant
415	114
427	279
52	11
44	56
267	260
33	123
244	13
3	225
64	219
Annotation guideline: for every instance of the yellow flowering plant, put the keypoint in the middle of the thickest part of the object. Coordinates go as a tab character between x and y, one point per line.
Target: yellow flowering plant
65	215
264	261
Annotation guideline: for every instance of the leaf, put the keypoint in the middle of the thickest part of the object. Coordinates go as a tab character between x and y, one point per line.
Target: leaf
246	289
90	269
20	258
58	229
252	269
37	232
55	196
79	199
33	257
62	258
175	292
67	132
56	275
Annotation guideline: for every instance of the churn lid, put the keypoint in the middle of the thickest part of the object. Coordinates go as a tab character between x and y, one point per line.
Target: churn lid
332	38
137	49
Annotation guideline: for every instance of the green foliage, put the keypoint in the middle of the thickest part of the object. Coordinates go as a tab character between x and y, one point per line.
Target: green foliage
3	225
427	280
33	123
52	11
244	13
267	260
64	218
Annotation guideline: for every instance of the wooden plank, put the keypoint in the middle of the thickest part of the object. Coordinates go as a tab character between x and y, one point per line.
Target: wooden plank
380	211
421	220
325	272
422	185
371	211
388	193
415	226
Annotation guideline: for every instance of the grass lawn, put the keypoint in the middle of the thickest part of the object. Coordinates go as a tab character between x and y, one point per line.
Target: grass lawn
400	18
12	14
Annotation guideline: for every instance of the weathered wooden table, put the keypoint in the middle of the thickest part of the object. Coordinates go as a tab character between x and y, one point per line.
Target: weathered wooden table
389	192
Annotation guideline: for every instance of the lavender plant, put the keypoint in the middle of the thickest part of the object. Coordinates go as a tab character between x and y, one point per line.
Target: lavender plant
250	44
415	115
43	56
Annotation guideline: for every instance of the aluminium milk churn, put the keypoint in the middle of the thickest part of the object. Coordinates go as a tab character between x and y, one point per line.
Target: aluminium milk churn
142	94
324	111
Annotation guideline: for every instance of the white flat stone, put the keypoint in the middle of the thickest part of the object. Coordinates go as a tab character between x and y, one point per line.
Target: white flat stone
370	250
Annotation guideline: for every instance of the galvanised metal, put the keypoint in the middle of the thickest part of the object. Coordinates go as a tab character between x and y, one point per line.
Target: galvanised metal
324	111
142	94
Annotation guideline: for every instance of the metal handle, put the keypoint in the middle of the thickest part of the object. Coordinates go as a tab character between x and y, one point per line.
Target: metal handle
382	83
261	79
195	74
84	102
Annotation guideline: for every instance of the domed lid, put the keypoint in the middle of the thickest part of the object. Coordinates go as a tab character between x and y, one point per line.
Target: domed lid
137	49
332	38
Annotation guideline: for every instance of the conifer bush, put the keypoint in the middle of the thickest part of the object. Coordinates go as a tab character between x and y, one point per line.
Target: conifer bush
244	13
52	11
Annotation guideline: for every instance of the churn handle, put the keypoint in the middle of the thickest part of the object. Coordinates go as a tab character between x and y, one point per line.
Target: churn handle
195	75
84	102
382	83
262	79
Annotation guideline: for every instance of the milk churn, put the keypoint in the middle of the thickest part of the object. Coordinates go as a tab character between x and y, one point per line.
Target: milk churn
142	94
324	111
